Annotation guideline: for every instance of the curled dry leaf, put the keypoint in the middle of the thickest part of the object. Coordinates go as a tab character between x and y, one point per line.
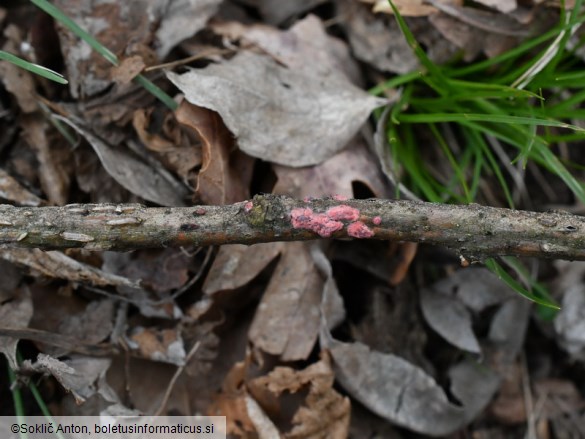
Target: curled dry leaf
225	173
177	149
231	403
323	413
289	117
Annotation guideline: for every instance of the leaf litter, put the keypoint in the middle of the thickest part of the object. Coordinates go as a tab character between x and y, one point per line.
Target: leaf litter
331	339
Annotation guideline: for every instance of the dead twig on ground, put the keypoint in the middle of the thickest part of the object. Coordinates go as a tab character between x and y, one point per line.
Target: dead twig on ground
473	231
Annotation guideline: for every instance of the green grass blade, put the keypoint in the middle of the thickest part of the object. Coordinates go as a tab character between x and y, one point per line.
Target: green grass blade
499	271
442	85
494	118
34	68
17	400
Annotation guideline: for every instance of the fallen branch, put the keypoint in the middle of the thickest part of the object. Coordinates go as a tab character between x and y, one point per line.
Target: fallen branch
473	231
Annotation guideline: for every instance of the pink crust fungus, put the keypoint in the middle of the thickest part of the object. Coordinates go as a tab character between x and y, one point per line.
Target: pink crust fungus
377	220
319	223
339	197
343	213
248	206
359	230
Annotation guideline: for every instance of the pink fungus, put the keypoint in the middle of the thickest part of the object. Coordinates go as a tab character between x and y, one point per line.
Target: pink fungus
319	223
343	213
248	206
359	230
339	197
377	220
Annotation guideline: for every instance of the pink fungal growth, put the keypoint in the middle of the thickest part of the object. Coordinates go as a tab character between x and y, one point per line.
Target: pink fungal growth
359	230
248	206
377	220
339	197
319	223
343	213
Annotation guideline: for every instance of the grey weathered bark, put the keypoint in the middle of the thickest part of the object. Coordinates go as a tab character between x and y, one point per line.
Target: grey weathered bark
474	231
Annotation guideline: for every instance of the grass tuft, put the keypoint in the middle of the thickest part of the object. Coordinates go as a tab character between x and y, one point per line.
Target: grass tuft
521	103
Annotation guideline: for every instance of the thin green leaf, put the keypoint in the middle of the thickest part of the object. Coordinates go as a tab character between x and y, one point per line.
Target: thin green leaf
34	68
497	269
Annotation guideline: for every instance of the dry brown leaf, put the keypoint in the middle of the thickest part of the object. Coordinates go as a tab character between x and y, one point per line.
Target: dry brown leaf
335	176
14	313
132	173
159	271
17	81
13	191
287	320
262	423
485	20
231	402
509	406
288	117
179	19
236	265
377	40
178	150
225	172
53	174
56	264
127	70
91	326
164	345
324	412
84	377
305	40
405	395
126	29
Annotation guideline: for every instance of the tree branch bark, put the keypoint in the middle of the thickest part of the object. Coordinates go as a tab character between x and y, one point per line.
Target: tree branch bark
473	231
